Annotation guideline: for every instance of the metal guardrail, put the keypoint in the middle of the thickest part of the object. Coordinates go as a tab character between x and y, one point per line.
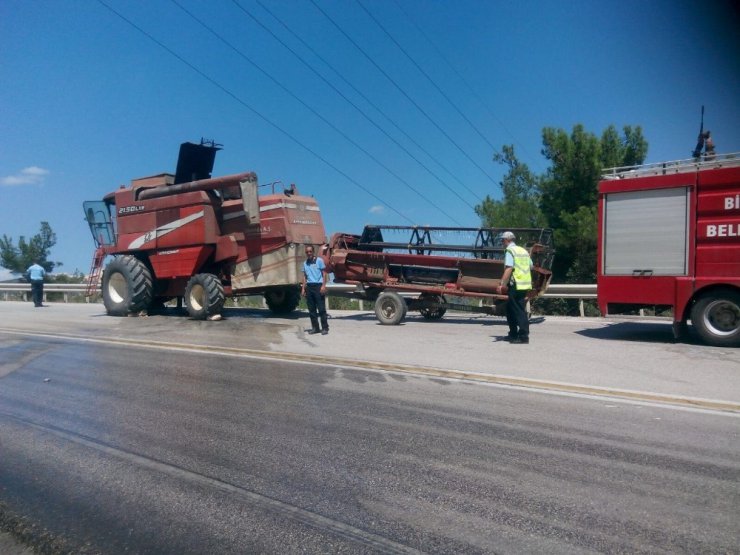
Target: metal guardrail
25	289
51	287
554	291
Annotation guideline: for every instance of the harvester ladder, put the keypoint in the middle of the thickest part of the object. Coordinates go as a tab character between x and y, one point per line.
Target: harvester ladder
93	280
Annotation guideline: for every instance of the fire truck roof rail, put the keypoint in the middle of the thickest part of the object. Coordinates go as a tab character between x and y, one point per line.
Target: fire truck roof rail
676	166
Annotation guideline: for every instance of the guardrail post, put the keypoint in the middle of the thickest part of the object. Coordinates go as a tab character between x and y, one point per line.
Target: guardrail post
580	308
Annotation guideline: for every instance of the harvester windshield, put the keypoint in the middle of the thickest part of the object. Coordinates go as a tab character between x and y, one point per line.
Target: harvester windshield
98	218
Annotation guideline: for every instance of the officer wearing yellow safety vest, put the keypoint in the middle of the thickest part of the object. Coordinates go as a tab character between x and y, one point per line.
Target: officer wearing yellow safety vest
518	277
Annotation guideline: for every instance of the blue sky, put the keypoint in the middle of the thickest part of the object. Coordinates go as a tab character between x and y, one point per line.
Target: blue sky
88	102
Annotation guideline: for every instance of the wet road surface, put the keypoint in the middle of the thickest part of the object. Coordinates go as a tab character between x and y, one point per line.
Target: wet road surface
138	450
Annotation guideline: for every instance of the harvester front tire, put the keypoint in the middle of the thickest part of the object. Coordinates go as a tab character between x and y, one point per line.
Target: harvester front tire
390	308
716	317
204	296
127	286
283	300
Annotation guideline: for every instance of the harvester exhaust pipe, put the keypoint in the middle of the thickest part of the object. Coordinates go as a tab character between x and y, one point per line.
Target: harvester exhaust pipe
247	183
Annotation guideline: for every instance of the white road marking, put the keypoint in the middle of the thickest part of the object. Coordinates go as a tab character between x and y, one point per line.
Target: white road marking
645	398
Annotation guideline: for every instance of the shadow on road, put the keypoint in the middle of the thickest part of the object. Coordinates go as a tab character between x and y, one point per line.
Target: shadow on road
339	315
642	332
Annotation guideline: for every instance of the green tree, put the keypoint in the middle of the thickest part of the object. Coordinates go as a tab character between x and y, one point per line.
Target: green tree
575	241
629	150
36	249
519	206
569	190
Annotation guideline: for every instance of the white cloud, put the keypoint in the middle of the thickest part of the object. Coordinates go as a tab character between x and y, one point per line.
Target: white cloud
33	175
377	209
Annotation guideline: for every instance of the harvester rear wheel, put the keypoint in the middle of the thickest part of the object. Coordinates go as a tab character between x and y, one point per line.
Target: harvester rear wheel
204	296
283	300
390	308
437	312
127	286
716	316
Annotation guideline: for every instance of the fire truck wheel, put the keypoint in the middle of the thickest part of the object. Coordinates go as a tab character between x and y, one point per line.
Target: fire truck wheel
390	308
716	316
437	312
283	300
127	286
204	296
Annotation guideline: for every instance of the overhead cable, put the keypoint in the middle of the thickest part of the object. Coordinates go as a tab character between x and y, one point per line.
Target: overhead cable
402	91
360	93
312	110
349	101
425	74
462	78
253	110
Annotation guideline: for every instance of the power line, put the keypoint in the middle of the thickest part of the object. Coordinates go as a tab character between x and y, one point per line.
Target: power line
253	110
460	76
425	74
403	92
340	93
309	108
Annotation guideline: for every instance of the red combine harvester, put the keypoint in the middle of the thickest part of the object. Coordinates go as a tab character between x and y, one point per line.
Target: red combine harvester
381	271
200	238
669	236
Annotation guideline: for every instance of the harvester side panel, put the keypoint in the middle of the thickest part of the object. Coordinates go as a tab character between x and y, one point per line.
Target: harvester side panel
273	251
187	219
282	266
183	262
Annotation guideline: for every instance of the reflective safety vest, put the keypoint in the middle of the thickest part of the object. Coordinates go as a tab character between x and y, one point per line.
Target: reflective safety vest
522	275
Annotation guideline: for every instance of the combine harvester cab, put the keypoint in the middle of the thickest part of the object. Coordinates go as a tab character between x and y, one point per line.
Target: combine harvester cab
200	238
421	272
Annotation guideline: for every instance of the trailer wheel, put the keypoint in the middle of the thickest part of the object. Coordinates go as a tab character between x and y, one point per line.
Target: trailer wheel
390	308
204	296
435	313
127	286
282	300
716	316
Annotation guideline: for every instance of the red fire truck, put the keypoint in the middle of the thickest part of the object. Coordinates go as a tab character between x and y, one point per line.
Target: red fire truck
669	237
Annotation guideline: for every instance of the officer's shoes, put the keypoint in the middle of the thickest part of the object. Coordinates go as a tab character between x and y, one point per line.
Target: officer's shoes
313	332
519	340
324	332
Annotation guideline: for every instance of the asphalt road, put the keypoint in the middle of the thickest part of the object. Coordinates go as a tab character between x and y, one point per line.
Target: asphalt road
607	355
147	449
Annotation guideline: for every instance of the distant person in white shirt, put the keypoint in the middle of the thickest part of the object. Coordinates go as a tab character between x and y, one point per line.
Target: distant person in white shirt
36	274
